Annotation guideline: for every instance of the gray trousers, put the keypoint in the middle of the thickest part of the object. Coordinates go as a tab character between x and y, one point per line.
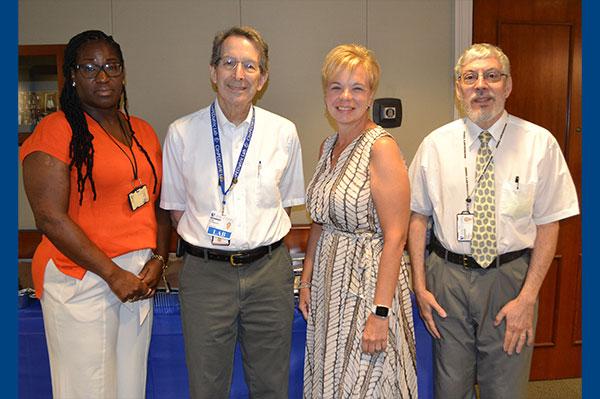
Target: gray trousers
470	350
221	304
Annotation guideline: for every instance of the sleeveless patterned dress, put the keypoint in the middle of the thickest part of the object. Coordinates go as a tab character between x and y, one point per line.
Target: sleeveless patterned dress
343	286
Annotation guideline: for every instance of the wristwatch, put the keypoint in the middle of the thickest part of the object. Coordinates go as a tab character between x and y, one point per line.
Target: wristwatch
381	311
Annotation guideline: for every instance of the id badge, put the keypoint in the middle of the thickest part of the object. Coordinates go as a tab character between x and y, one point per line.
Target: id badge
464	226
219	228
138	197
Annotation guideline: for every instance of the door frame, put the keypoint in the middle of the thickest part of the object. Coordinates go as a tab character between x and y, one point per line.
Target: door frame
463	33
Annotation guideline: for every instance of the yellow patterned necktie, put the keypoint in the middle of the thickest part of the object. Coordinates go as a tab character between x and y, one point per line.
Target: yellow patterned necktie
483	244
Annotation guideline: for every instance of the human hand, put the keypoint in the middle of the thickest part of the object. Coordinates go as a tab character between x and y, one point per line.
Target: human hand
519	325
304	301
375	335
427	302
127	286
151	274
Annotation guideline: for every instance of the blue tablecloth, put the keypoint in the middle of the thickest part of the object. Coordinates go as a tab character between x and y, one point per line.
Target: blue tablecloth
167	374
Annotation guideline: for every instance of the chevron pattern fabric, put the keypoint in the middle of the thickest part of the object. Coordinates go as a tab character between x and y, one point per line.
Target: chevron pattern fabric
343	286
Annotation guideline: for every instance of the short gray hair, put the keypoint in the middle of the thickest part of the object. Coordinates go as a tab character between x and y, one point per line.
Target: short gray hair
480	51
249	33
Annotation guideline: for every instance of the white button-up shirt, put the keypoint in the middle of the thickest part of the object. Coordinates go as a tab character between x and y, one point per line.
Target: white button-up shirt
270	180
533	183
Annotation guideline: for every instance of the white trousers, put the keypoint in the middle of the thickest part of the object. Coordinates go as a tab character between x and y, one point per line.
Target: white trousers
97	345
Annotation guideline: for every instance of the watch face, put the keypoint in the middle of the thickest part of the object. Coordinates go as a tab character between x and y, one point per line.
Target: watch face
381	311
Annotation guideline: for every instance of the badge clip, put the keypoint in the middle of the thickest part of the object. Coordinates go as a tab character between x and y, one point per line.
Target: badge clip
138	197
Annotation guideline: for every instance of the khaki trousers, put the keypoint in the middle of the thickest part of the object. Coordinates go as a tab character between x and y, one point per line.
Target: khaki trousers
470	350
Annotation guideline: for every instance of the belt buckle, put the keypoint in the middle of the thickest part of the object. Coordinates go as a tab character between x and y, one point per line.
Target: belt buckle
232	260
465	260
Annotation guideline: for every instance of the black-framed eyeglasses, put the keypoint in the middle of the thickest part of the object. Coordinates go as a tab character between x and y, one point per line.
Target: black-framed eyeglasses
490	76
90	71
230	63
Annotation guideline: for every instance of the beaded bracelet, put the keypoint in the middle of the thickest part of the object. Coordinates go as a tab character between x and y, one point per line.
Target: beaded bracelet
304	284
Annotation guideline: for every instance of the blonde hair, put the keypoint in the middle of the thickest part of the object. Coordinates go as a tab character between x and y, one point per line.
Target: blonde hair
479	51
349	56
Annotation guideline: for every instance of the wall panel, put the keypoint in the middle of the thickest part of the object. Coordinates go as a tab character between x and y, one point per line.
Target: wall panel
414	43
167	48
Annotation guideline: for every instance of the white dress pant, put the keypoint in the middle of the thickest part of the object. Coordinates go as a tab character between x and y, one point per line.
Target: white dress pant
97	345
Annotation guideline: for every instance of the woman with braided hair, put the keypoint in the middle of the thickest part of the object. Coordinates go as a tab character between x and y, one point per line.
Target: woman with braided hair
92	175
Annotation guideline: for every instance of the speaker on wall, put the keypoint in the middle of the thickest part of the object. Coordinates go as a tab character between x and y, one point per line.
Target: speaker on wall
387	112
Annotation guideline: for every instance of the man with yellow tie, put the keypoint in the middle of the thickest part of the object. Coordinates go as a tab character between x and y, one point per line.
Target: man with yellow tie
495	187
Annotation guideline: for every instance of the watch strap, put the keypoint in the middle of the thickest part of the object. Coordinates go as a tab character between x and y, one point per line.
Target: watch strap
381	311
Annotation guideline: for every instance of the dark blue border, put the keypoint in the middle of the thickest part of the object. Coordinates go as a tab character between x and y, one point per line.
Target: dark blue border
9	198
589	203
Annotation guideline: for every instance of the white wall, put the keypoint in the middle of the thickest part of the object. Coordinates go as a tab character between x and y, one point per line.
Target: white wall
167	45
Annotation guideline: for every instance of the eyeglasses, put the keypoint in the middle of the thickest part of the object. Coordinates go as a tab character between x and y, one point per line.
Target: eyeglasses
490	76
230	63
90	71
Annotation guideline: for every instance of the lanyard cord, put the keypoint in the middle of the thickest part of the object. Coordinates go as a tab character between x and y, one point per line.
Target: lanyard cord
128	143
219	156
478	178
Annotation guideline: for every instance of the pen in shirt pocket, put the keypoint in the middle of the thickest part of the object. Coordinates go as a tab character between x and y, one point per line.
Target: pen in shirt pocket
259	168
517	182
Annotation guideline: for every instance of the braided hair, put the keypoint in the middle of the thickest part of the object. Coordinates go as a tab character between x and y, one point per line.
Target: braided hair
81	148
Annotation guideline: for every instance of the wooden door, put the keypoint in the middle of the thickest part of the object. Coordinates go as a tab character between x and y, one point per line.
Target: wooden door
542	39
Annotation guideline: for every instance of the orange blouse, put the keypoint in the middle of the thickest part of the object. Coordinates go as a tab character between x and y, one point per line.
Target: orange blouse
107	221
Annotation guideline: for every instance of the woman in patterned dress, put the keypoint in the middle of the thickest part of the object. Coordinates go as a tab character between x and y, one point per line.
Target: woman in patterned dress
354	286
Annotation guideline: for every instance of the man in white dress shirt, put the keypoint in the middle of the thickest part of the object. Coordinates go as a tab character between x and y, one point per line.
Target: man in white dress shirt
232	171
495	228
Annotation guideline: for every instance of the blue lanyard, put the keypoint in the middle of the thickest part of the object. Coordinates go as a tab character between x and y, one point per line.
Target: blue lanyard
219	156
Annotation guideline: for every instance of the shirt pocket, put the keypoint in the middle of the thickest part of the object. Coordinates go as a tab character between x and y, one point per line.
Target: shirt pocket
267	184
517	200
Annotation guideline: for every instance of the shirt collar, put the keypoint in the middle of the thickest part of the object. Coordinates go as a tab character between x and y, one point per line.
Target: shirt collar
229	126
495	130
